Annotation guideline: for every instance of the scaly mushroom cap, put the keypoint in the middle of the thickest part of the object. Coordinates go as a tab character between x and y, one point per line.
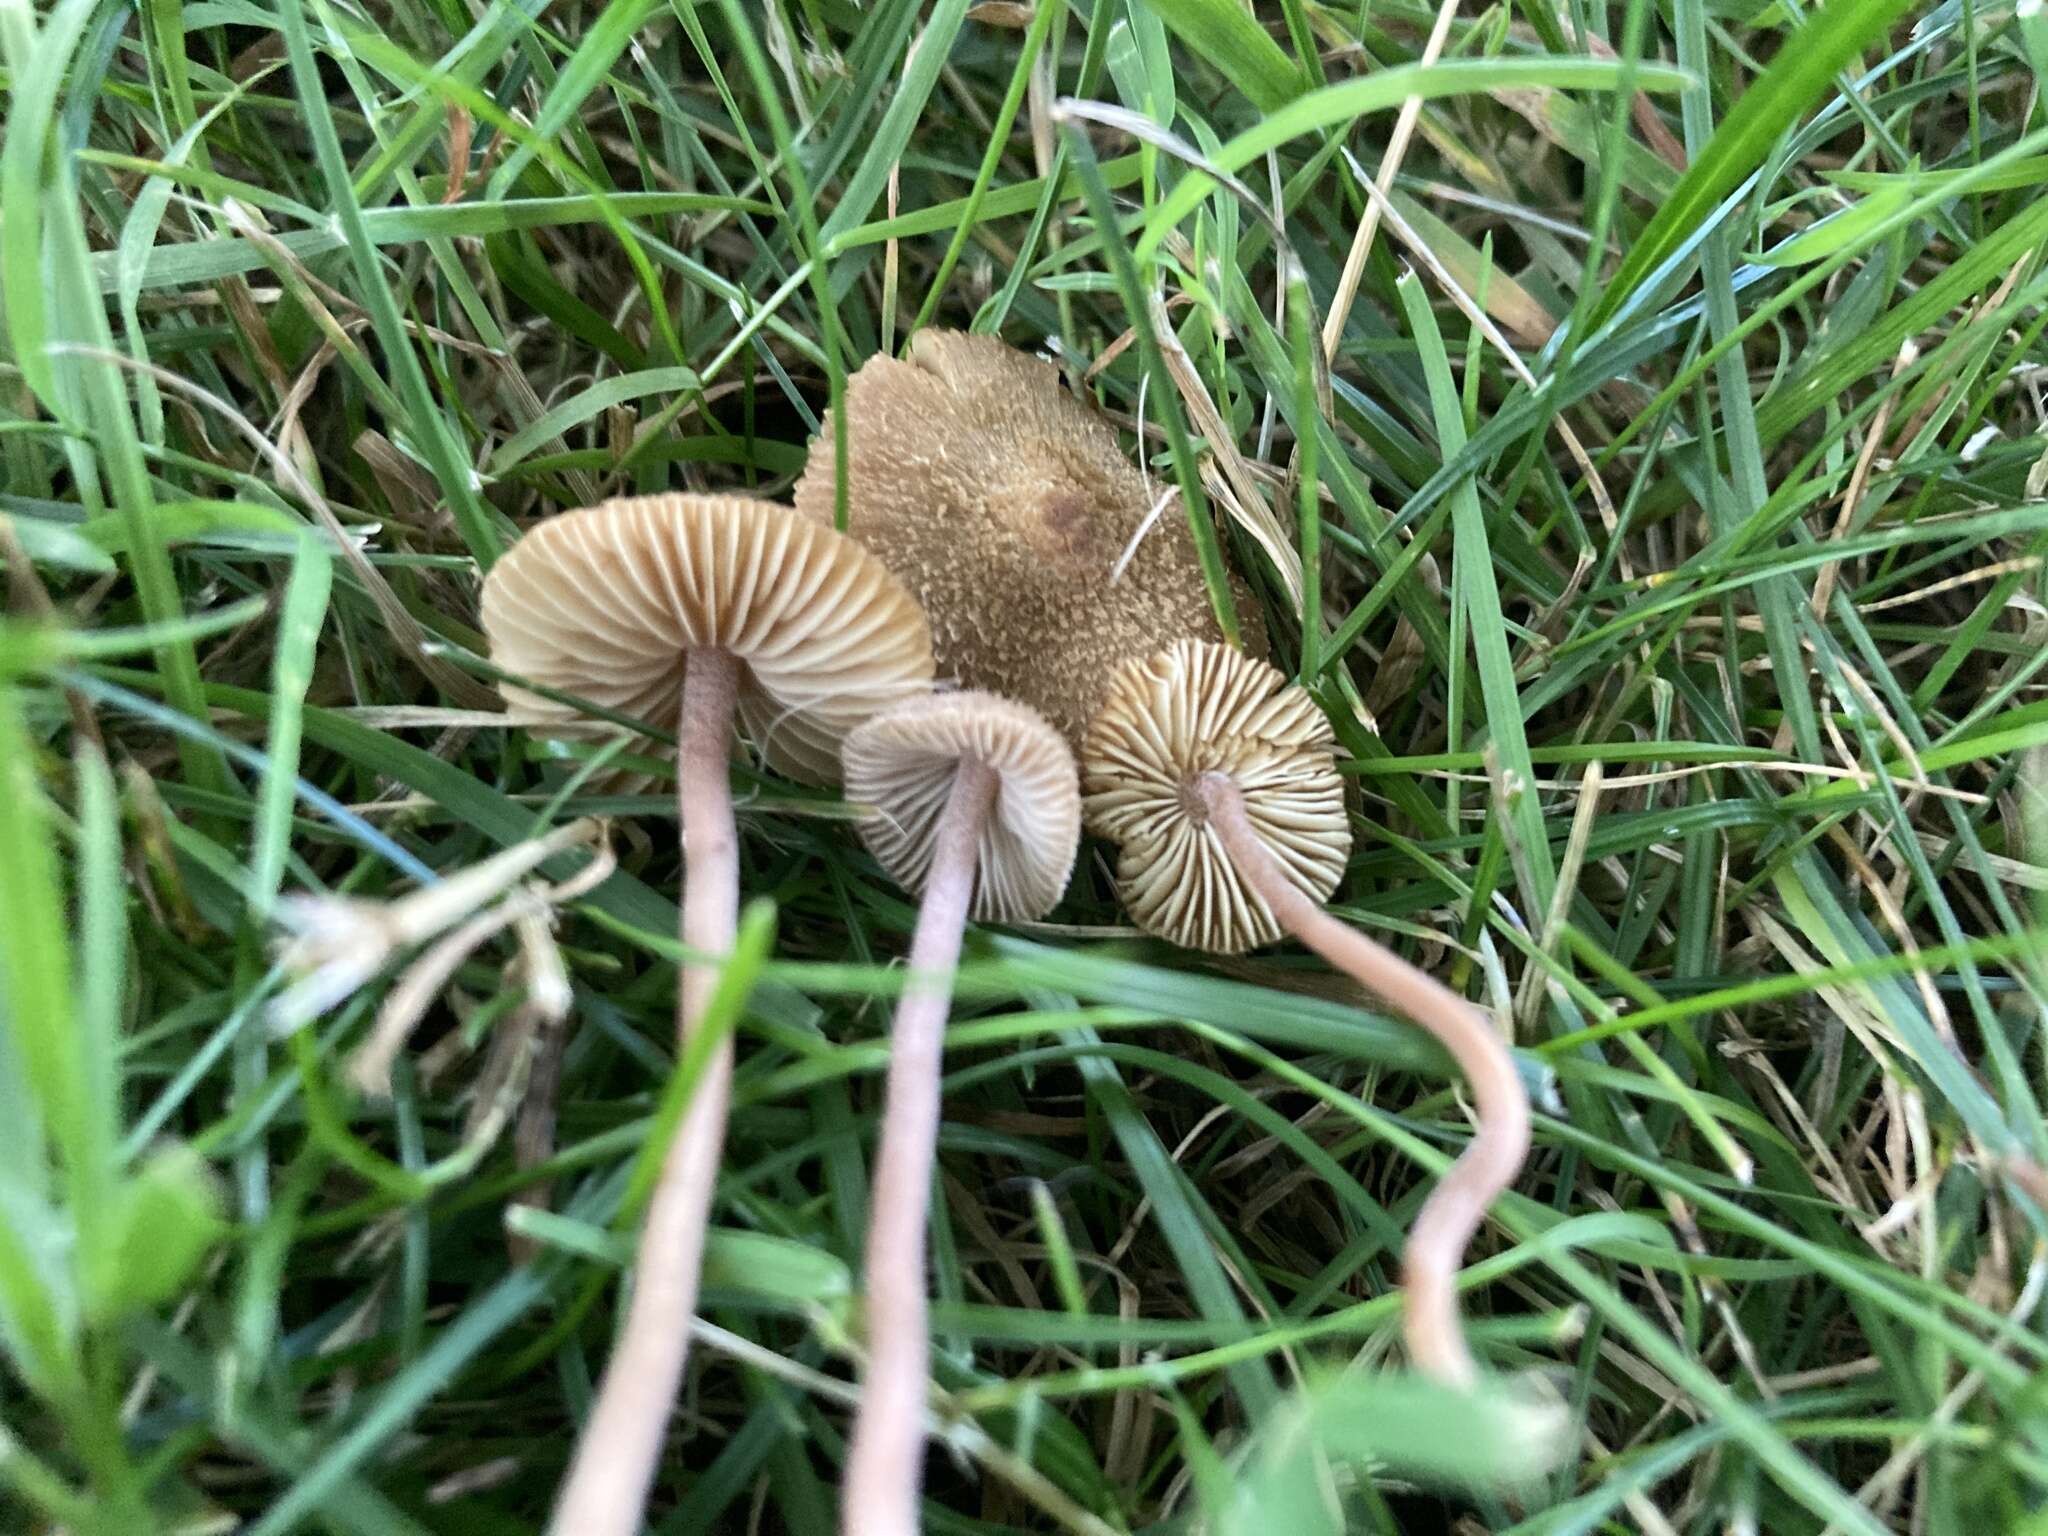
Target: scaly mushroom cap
607	602
902	763
1193	709
1005	505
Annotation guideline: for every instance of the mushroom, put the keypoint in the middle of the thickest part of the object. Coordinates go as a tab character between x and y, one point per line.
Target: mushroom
976	803
694	612
1218	781
1008	507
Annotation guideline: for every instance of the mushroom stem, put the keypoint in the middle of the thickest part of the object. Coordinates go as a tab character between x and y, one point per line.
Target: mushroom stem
606	1489
885	1463
1452	1213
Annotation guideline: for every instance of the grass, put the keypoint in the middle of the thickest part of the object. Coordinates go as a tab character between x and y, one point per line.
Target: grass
1664	536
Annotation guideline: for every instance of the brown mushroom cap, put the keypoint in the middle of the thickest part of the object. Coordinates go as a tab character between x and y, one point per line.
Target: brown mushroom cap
1193	709
606	603
1005	505
902	762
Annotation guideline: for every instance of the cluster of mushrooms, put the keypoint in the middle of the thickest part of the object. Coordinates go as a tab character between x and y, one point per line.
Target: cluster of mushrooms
999	540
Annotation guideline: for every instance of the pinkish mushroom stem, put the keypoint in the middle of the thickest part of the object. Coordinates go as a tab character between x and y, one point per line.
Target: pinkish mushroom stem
1452	1213
606	1489
885	1464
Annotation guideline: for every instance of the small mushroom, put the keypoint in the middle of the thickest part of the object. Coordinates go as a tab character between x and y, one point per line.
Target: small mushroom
976	803
1218	781
695	612
1008	507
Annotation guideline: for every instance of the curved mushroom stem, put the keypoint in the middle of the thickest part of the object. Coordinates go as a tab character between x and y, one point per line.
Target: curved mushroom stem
885	1463
606	1489
1448	1219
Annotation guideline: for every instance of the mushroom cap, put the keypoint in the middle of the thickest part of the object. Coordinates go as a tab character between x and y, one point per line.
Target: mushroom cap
1006	505
1193	709
902	762
607	602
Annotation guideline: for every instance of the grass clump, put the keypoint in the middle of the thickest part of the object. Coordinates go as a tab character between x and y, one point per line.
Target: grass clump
1628	424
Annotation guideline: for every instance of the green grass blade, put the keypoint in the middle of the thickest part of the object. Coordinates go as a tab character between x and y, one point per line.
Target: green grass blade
1825	43
1351	99
1473	573
1237	47
426	424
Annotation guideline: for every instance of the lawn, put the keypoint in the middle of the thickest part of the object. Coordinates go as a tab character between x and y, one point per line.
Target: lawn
1626	424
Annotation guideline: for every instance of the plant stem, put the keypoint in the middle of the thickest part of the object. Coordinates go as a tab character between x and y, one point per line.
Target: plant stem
885	1463
615	1460
1447	1220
